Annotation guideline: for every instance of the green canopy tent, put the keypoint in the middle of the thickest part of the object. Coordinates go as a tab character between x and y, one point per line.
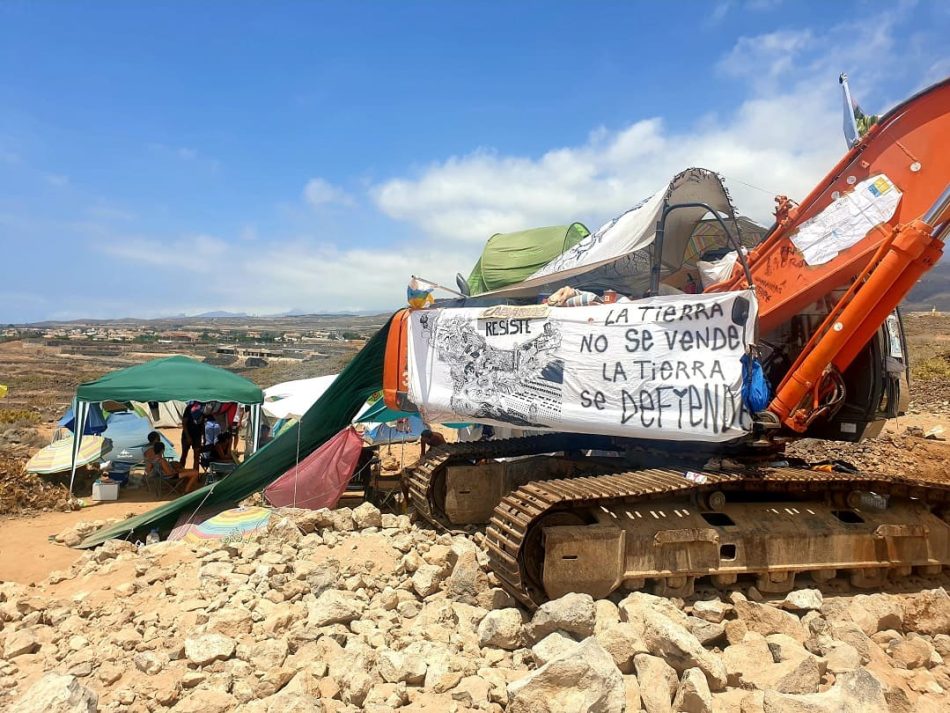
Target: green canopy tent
176	378
512	257
333	411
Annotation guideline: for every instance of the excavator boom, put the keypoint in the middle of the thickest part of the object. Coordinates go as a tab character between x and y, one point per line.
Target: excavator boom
875	224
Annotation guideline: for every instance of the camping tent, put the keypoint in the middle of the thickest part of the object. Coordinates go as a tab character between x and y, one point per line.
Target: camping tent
174	378
95	421
318	480
129	435
292	399
621	254
404	430
161	414
361	378
508	258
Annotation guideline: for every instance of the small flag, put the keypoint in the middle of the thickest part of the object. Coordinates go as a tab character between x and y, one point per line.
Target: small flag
419	293
3	390
849	123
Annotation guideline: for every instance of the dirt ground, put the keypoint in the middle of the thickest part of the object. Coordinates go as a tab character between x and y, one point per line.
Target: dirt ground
27	552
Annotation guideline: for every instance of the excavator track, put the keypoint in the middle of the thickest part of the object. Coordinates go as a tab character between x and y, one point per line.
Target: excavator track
560	513
425	480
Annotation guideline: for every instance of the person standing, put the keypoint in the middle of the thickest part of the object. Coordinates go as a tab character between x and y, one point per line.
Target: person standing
192	421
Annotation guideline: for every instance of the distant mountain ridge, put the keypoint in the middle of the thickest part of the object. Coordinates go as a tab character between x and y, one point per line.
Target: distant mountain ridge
931	291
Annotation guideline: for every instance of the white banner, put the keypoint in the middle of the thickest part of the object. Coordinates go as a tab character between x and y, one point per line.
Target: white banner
658	368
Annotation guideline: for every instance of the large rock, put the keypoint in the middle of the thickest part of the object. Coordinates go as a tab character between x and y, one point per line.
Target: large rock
680	648
911	652
231	621
574	613
657	681
20	642
803	600
927	612
693	695
427	578
502	629
367	515
552	646
398	666
713	610
875	612
606	614
857	692
708	633
582	680
206	648
635	604
765	619
622	641
335	607
56	693
467	580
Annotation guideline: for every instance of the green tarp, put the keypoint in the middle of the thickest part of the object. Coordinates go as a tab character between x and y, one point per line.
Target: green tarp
379	412
175	378
512	257
333	411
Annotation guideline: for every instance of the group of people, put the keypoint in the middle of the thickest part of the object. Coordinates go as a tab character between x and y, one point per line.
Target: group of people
209	430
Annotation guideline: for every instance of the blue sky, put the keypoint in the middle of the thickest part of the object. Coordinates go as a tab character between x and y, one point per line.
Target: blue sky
182	157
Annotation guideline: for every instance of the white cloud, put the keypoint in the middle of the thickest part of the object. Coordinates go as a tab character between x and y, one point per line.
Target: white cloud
320	192
783	137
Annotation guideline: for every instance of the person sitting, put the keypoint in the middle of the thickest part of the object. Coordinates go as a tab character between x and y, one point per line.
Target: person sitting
429	439
173	470
148	453
220	452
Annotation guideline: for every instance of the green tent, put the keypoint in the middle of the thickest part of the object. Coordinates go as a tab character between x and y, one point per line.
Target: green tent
333	411
512	257
174	378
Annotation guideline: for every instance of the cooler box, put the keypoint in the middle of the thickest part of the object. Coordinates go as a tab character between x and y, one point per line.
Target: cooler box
105	491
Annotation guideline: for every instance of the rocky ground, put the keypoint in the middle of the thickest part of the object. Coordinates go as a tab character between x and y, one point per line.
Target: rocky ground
352	610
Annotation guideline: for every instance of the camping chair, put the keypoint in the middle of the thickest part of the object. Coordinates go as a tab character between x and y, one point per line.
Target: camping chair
218	471
159	483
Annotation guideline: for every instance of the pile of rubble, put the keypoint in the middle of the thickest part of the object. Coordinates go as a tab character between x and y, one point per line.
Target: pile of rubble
353	610
25	492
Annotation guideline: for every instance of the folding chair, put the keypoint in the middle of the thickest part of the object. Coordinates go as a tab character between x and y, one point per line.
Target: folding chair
218	471
159	483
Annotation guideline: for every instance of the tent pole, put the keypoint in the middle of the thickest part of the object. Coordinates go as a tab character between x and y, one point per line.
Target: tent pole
256	431
79	425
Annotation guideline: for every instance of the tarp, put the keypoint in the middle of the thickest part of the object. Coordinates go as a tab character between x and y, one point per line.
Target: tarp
292	399
129	435
379	412
508	258
659	368
405	429
161	414
174	378
361	378
318	480
619	255
95	421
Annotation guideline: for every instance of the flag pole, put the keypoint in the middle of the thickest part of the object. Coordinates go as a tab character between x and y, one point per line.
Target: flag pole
436	284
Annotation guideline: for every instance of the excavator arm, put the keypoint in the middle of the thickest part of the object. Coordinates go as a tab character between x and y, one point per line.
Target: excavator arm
809	253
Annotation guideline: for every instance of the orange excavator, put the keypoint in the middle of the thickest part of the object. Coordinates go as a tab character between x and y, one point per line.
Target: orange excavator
587	499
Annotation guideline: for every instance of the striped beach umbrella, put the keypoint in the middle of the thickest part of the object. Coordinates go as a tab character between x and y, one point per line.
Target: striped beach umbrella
57	456
230	524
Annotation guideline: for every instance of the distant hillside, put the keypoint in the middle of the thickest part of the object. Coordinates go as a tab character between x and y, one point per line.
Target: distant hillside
933	290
